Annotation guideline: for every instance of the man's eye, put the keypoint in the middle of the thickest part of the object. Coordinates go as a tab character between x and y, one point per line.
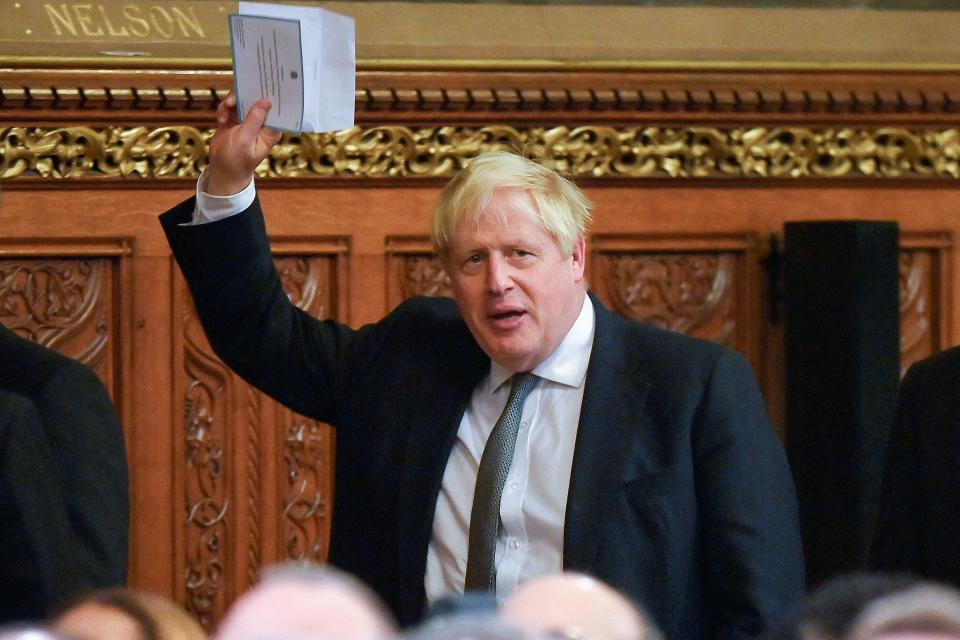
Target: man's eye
475	258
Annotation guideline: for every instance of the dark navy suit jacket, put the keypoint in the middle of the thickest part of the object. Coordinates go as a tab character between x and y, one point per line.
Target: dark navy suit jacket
918	530
680	493
64	506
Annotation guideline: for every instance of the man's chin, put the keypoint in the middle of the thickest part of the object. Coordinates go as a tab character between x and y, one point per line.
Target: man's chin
513	360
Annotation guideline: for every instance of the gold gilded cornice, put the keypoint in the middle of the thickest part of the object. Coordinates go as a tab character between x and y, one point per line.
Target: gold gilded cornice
594	151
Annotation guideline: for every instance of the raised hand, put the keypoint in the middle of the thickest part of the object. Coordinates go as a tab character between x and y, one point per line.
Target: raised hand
238	147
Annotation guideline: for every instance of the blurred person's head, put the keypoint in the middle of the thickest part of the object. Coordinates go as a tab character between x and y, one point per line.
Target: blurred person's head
512	236
874	606
475	625
925	611
24	631
125	614
307	602
576	607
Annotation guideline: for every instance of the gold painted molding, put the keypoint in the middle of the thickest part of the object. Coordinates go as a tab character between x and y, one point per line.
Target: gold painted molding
594	151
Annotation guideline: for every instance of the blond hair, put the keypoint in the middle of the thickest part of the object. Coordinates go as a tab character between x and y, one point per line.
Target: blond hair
563	209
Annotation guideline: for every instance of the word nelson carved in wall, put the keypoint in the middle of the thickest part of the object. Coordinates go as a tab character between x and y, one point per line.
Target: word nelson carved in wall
125	21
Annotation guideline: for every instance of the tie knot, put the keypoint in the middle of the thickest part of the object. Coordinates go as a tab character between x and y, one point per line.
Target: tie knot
521	386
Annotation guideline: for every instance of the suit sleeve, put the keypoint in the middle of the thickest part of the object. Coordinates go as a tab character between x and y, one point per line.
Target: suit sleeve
38	555
87	440
250	322
752	553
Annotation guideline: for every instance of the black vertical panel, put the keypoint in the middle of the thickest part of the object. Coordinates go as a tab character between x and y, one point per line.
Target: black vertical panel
843	360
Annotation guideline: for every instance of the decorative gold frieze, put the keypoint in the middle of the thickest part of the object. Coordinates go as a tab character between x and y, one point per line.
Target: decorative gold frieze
80	152
438	152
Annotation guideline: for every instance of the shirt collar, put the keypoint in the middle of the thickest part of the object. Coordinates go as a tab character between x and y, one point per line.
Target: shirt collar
567	365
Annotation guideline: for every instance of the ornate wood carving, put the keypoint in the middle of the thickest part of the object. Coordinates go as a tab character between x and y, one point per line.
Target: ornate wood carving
307	456
923	295
424	276
63	303
692	293
253	407
594	151
235	438
306	444
413	270
697	285
206	441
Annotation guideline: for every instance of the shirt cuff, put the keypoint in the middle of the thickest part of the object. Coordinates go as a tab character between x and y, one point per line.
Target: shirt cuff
211	208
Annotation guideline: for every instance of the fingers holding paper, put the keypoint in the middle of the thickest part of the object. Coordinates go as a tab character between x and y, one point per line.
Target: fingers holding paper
238	147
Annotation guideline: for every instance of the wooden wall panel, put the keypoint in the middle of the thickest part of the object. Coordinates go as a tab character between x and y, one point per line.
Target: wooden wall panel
924	295
692	174
66	302
700	285
256	478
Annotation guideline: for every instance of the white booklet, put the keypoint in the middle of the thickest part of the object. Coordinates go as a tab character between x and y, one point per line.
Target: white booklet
302	58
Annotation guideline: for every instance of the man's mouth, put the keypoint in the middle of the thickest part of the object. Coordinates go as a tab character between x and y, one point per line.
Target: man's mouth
507	315
508	320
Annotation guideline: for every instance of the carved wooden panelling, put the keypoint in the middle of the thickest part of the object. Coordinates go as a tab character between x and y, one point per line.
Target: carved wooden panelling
206	437
66	304
306	445
413	270
696	286
308	466
258	479
692	293
923	296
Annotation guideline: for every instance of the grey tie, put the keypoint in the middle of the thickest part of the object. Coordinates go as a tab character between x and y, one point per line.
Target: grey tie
494	466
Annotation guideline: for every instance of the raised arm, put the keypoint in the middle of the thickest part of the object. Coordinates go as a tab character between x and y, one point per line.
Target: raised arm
248	318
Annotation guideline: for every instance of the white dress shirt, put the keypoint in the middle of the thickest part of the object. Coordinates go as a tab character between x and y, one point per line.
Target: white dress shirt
534	500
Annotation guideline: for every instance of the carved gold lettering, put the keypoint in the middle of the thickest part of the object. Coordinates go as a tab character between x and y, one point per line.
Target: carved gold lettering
162	21
111	30
61	18
85	20
105	19
139	26
191	21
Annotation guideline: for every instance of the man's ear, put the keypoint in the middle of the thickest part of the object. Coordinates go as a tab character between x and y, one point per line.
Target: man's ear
579	258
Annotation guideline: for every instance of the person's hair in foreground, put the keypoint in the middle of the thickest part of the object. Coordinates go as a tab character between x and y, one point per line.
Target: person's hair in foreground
561	207
871	606
298	601
26	631
925	611
125	614
575	606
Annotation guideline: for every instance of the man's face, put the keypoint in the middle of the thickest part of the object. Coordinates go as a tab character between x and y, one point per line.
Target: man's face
517	292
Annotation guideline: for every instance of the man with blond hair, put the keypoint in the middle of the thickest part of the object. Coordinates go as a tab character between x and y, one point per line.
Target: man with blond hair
518	430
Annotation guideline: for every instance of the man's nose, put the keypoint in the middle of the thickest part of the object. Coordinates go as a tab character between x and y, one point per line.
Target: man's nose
499	279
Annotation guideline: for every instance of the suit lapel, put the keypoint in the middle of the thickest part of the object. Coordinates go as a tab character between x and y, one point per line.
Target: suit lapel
612	411
433	430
